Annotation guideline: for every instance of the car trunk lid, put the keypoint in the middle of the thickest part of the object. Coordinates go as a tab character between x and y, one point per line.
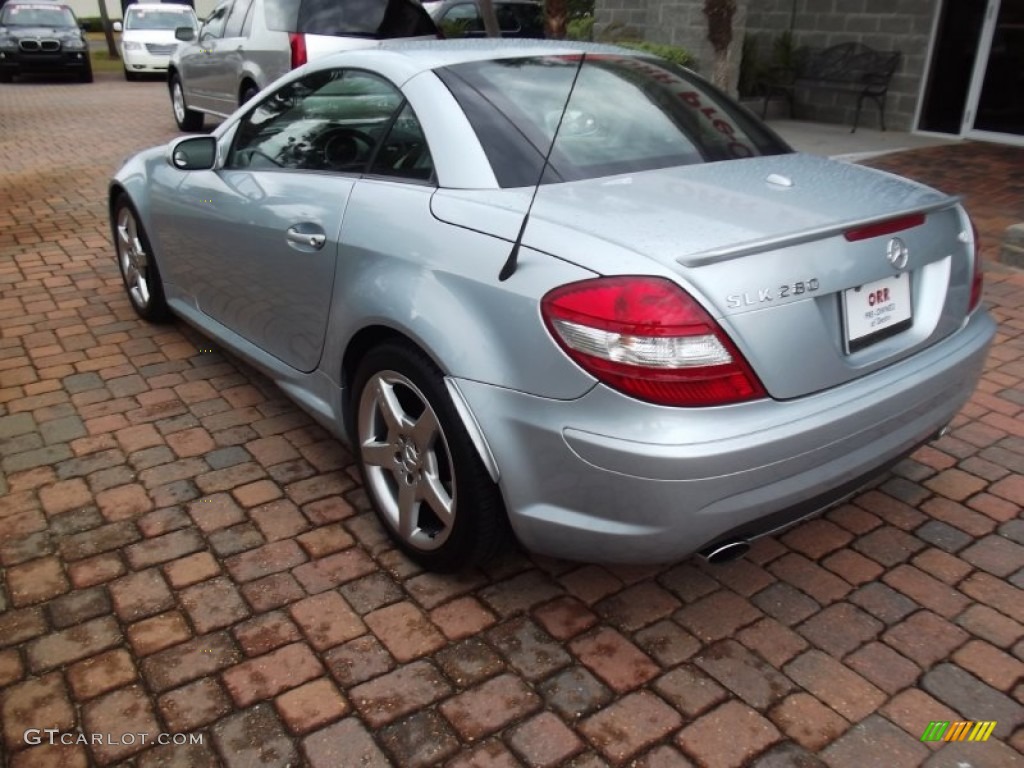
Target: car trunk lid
762	243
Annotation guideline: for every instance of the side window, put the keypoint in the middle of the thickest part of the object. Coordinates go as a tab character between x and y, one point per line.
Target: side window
328	121
404	153
508	18
236	19
461	20
213	27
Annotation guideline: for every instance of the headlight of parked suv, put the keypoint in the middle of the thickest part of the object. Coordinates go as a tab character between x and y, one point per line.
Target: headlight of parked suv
74	45
130	46
8	44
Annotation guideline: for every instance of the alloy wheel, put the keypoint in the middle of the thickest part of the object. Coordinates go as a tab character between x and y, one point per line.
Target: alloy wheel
178	102
407	461
132	256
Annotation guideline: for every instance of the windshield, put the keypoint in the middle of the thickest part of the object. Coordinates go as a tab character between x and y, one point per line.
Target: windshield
626	114
138	19
37	16
376	19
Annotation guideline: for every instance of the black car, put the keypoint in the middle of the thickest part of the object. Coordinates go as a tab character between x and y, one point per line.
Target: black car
461	18
42	38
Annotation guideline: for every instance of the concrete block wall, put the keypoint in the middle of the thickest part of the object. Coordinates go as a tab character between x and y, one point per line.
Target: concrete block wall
632	13
676	22
890	25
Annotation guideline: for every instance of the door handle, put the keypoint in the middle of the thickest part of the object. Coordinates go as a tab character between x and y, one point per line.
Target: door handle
308	239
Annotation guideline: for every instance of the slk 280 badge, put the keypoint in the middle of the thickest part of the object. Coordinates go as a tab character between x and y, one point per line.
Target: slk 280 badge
791	290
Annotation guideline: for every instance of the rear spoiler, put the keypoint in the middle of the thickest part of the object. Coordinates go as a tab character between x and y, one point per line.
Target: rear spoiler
716	255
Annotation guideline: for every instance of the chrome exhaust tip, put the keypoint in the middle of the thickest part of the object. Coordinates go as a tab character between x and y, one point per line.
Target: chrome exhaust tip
942	432
729	550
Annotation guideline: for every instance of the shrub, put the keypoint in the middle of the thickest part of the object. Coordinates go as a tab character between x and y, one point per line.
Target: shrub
580	29
620	34
91	23
673	53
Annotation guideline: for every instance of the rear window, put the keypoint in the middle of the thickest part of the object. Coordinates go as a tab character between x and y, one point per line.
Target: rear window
375	19
37	16
626	114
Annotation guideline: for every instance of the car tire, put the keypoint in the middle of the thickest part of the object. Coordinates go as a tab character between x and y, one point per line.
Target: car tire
188	120
86	75
6	77
248	92
130	75
137	264
420	469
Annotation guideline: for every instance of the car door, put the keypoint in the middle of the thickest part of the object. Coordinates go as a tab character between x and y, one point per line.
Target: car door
200	67
230	54
263	231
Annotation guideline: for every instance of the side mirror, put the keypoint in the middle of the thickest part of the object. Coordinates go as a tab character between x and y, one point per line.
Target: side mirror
118	26
193	153
185	34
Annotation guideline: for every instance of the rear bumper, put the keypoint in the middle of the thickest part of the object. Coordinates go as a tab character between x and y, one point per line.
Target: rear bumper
606	478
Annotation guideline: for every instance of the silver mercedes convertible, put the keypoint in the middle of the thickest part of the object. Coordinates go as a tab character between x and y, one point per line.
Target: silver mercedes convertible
567	292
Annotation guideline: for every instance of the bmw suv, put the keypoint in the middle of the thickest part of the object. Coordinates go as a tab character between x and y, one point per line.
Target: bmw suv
42	38
244	45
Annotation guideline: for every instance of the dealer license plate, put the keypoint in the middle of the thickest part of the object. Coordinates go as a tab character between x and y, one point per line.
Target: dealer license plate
876	310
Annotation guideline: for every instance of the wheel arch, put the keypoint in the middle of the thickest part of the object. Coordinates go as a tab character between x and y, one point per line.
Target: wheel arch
374	335
362	342
244	84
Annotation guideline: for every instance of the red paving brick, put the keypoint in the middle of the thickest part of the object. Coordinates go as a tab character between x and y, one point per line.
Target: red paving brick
181	548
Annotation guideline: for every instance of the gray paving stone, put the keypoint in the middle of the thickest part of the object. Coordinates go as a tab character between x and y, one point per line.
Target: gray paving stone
943	536
254	738
82	382
62	430
39	457
16	424
963	692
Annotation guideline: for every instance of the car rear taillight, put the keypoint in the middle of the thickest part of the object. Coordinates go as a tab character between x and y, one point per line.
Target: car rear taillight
297	41
978	276
648	338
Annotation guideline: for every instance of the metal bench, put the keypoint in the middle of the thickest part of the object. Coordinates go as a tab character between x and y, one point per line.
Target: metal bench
847	67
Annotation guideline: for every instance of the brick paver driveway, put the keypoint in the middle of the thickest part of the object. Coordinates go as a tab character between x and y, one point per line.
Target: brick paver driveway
183	551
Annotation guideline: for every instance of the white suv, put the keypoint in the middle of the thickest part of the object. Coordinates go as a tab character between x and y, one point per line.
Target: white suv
244	45
147	36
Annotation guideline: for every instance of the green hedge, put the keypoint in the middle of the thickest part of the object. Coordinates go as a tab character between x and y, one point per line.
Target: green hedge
93	23
618	34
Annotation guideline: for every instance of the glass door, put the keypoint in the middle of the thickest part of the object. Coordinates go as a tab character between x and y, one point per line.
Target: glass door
953	55
995	104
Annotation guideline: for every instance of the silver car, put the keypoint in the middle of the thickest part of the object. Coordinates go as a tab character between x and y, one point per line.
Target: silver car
567	290
244	45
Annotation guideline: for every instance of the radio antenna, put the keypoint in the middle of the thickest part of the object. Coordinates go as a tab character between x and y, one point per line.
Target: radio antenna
512	261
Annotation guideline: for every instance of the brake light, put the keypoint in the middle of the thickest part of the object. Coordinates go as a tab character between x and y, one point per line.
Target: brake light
297	42
888	227
648	338
978	275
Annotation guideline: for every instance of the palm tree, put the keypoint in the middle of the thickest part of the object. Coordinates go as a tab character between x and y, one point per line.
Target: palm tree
489	18
556	18
719	14
107	31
